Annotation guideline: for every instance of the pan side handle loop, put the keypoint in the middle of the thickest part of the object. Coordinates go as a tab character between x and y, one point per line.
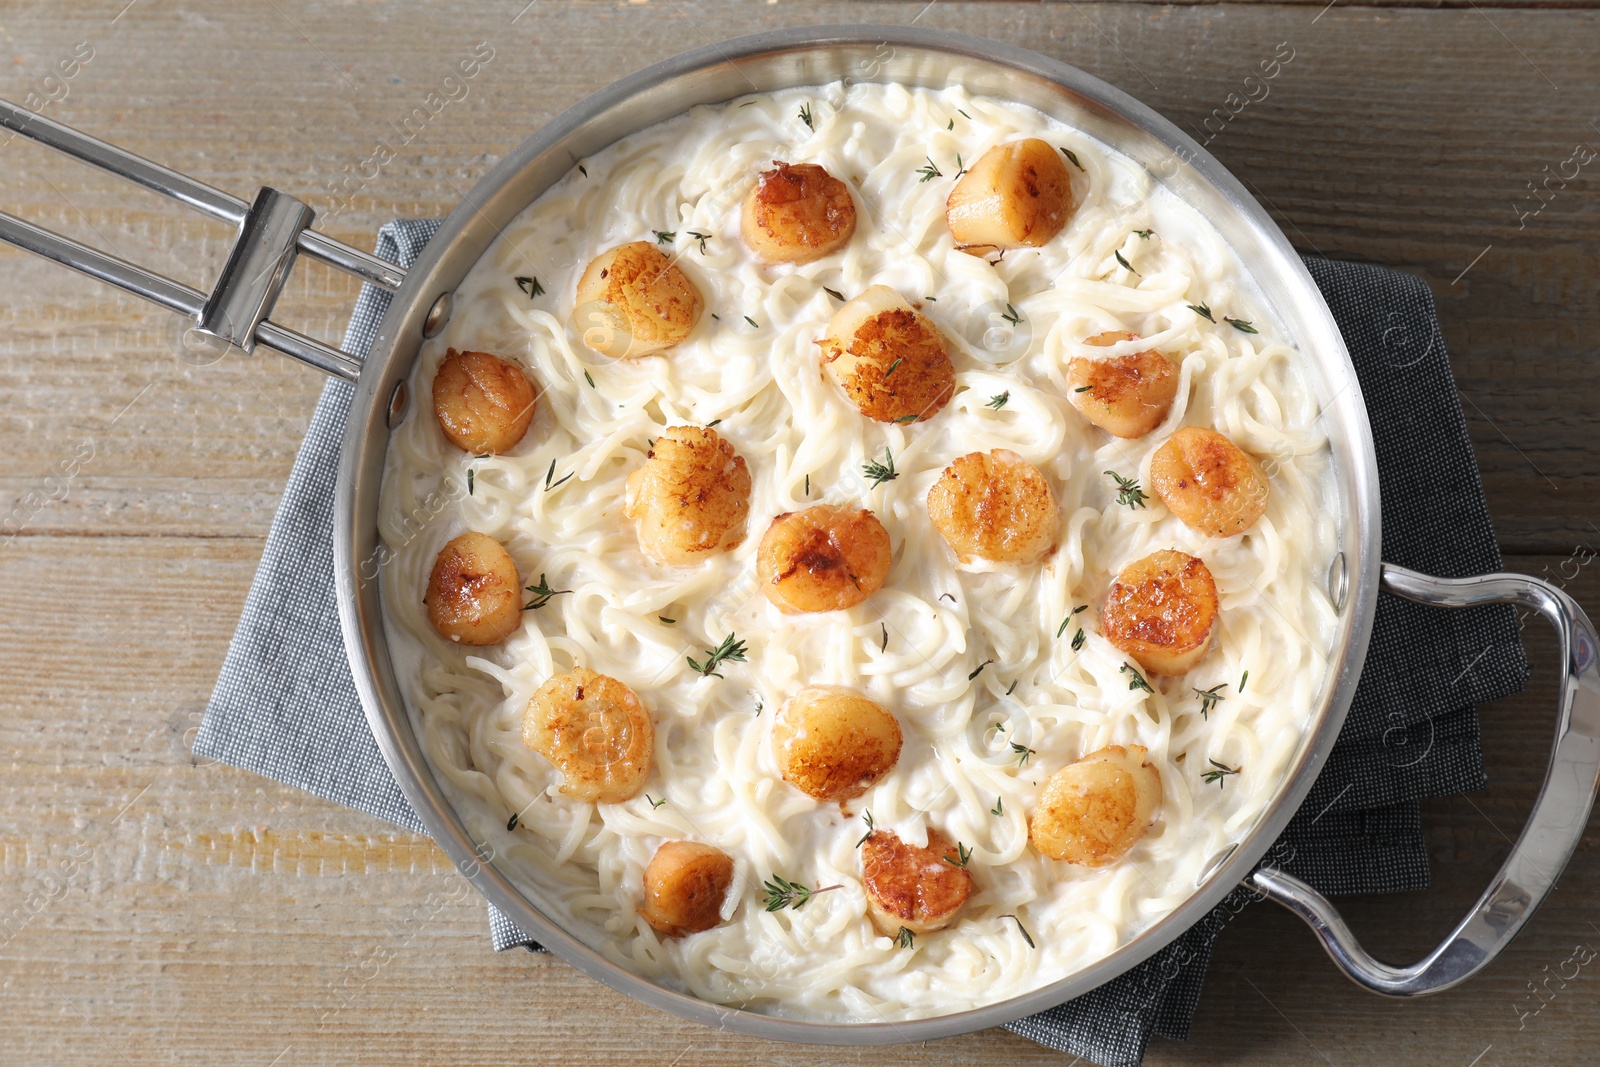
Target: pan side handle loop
1553	829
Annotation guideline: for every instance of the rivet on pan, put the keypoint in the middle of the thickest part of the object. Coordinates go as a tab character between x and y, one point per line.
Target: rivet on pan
1338	581
1216	861
399	400
438	315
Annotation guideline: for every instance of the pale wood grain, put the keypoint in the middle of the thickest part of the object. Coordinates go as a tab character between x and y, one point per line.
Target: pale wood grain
224	918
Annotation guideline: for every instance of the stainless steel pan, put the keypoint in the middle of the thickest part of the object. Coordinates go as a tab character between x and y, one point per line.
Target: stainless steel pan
274	228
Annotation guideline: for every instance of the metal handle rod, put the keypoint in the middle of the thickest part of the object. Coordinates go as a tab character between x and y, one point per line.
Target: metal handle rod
197	194
158	289
1554	828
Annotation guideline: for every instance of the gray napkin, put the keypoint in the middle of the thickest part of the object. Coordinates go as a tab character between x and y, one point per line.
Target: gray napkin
285	706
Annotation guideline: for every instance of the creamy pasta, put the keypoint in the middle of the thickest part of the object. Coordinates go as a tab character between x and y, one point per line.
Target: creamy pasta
980	663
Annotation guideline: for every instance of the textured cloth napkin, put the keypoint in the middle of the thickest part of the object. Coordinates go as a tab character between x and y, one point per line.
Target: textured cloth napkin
285	705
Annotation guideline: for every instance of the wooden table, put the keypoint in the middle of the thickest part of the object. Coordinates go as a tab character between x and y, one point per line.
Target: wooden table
154	908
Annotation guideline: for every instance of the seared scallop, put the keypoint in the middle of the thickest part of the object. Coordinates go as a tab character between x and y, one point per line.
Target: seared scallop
633	300
1126	396
691	497
1017	195
474	594
797	213
1211	484
685	885
596	732
824	558
920	889
833	743
1093	811
1161	610
483	403
994	505
888	358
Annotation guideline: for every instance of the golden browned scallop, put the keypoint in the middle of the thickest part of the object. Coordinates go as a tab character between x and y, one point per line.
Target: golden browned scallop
995	505
633	300
691	497
1161	610
1211	484
474	594
596	732
888	358
685	885
797	213
1126	396
1093	811
824	558
483	403
920	889
833	743
1017	195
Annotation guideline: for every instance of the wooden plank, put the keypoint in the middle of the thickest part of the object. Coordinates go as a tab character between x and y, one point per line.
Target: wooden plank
1370	146
201	908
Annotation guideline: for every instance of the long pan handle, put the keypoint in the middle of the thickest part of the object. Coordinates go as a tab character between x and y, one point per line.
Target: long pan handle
273	230
1554	828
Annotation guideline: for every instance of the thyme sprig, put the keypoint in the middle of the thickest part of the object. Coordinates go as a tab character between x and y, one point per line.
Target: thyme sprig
654	803
1011	315
906	938
1023	752
1135	679
551	473
1072	156
999	400
805	116
664	237
1078	639
1209	698
1125	264
780	893
1202	310
700	238
1242	325
878	473
730	650
979	669
1128	491
999	806
530	286
866	815
930	172
542	594
963	855
1146	234
1222	771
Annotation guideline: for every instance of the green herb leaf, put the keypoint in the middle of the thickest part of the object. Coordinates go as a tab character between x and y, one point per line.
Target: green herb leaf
999	806
712	423
1202	310
885	646
1084	389
665	236
589	378
1135	679
701	239
930	172
511	823
878	473
551	473
669	622
1242	325
583	170
1011	315
805	116
963	854
542	594
1072	157
752	322
905	419
731	650
1012	688
1128	491
1023	930
1078	639
530	286
655	803
867	815
470	474
1222	771
1125	264
1146	234
1022	752
905	938
833	293
893	366
979	669
999	400
780	893
1209	698
1245	678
